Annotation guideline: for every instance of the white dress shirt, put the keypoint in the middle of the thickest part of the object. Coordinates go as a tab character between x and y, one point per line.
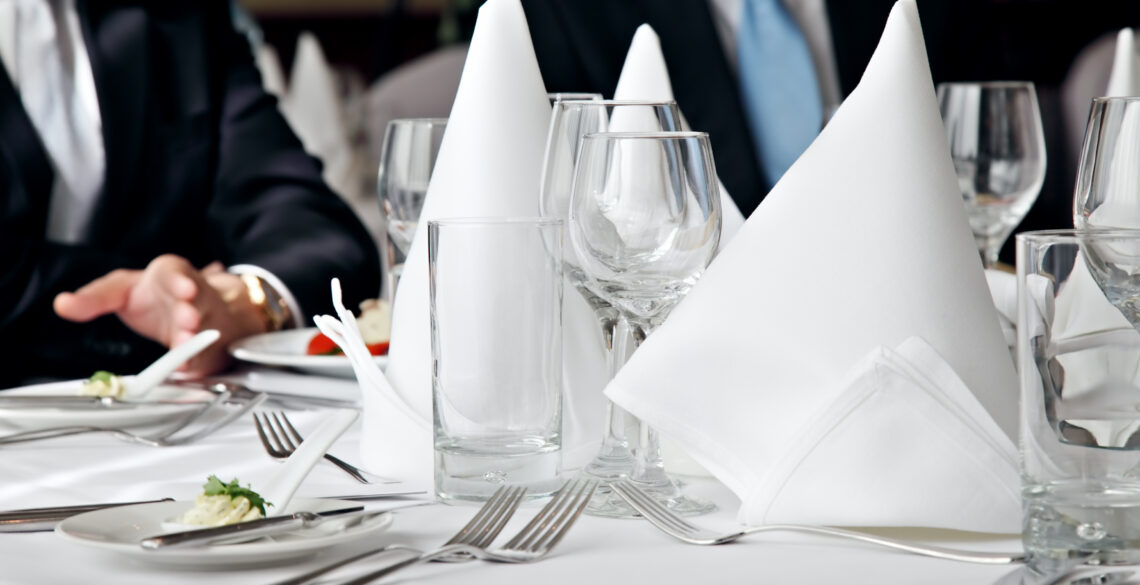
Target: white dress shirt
42	49
811	15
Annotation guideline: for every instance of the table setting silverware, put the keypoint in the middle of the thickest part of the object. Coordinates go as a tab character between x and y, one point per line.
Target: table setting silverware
45	519
280	439
685	531
242	399
247	530
481	530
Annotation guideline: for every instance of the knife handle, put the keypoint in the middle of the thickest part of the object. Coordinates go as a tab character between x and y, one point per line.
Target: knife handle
45	519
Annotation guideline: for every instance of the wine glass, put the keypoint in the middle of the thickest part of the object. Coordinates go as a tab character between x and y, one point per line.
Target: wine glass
998	147
570	121
1108	197
406	162
566	96
644	222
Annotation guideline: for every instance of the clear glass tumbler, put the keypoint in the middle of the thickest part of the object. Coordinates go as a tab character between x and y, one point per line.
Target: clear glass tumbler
1079	360
496	336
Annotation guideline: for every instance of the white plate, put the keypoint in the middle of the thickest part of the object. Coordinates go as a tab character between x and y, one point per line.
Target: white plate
287	348
146	414
120	529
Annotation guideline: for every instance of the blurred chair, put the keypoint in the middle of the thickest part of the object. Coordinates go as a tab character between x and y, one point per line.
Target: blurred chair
422	88
1087	78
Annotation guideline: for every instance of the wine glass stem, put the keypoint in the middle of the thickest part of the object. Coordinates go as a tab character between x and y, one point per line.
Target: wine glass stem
648	467
615	458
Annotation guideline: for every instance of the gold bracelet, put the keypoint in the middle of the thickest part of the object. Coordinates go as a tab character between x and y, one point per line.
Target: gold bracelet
274	310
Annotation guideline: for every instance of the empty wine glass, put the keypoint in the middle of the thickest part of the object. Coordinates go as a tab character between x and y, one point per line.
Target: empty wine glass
998	147
1108	196
406	162
565	96
570	121
645	221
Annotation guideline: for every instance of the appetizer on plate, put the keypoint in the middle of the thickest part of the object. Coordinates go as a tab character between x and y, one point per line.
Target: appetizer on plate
375	323
220	504
103	383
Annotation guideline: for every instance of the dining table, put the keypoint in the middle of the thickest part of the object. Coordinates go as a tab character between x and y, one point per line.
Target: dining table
94	468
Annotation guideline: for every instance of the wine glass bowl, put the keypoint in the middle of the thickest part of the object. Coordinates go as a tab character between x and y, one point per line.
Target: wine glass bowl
407	159
998	147
1108	178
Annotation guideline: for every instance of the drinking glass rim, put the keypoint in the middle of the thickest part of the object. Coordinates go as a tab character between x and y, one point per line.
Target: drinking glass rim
536	221
999	84
611	103
677	135
1077	234
1115	98
432	121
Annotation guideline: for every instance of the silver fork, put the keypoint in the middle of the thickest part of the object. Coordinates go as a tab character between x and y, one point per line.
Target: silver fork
244	398
280	438
681	529
532	543
479	533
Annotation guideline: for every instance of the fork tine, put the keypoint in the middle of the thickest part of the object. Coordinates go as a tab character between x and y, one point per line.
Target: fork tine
257	422
287	443
488	515
490	532
651	508
297	438
551	523
570	515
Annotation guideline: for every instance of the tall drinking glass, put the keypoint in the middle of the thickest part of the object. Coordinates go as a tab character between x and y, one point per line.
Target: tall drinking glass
1079	362
1108	179
645	221
406	162
569	123
998	147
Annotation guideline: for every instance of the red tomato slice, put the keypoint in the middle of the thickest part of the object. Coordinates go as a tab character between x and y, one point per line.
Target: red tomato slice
378	348
320	344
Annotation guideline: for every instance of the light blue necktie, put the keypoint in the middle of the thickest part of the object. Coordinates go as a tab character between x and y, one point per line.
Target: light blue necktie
777	78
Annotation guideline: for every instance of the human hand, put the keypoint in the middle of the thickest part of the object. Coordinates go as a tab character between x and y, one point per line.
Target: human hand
169	302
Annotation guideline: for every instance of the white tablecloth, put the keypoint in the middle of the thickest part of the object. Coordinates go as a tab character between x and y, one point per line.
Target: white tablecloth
95	468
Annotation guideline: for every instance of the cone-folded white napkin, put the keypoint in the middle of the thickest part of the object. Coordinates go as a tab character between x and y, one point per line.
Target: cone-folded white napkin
863	243
1124	80
644	76
489	165
315	112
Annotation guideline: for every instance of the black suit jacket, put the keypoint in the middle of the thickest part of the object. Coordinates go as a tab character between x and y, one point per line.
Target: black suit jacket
199	163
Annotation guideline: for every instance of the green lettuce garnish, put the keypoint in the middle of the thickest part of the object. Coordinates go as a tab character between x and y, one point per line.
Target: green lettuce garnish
102	376
215	487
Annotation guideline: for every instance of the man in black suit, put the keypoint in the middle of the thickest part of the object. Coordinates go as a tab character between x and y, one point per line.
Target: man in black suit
201	173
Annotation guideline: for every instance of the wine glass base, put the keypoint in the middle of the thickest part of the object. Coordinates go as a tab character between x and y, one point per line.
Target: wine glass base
608	504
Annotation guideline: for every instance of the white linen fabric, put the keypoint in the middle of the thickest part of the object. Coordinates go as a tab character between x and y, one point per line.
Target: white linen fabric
43	51
863	244
644	76
1124	80
489	165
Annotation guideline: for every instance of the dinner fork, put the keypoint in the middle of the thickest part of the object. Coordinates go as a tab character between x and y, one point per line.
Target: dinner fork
683	530
479	533
532	543
280	438
244	398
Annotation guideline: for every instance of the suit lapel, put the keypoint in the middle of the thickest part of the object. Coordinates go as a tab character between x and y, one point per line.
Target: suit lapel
116	43
29	167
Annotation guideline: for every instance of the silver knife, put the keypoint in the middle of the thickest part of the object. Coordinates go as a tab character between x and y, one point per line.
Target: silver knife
45	519
82	402
250	529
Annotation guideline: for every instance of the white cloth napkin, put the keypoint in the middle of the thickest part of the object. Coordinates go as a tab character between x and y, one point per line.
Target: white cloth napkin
1124	80
863	244
489	165
315	112
644	76
269	65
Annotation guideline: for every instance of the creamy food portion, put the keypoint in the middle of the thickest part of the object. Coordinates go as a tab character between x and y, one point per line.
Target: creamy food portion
103	383
219	511
375	320
220	504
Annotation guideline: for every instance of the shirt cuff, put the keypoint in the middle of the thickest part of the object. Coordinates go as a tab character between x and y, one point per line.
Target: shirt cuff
269	277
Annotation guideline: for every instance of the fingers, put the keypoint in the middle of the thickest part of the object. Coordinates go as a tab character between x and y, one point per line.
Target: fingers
102	296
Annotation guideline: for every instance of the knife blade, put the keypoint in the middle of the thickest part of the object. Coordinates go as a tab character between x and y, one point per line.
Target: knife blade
83	402
45	519
245	530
